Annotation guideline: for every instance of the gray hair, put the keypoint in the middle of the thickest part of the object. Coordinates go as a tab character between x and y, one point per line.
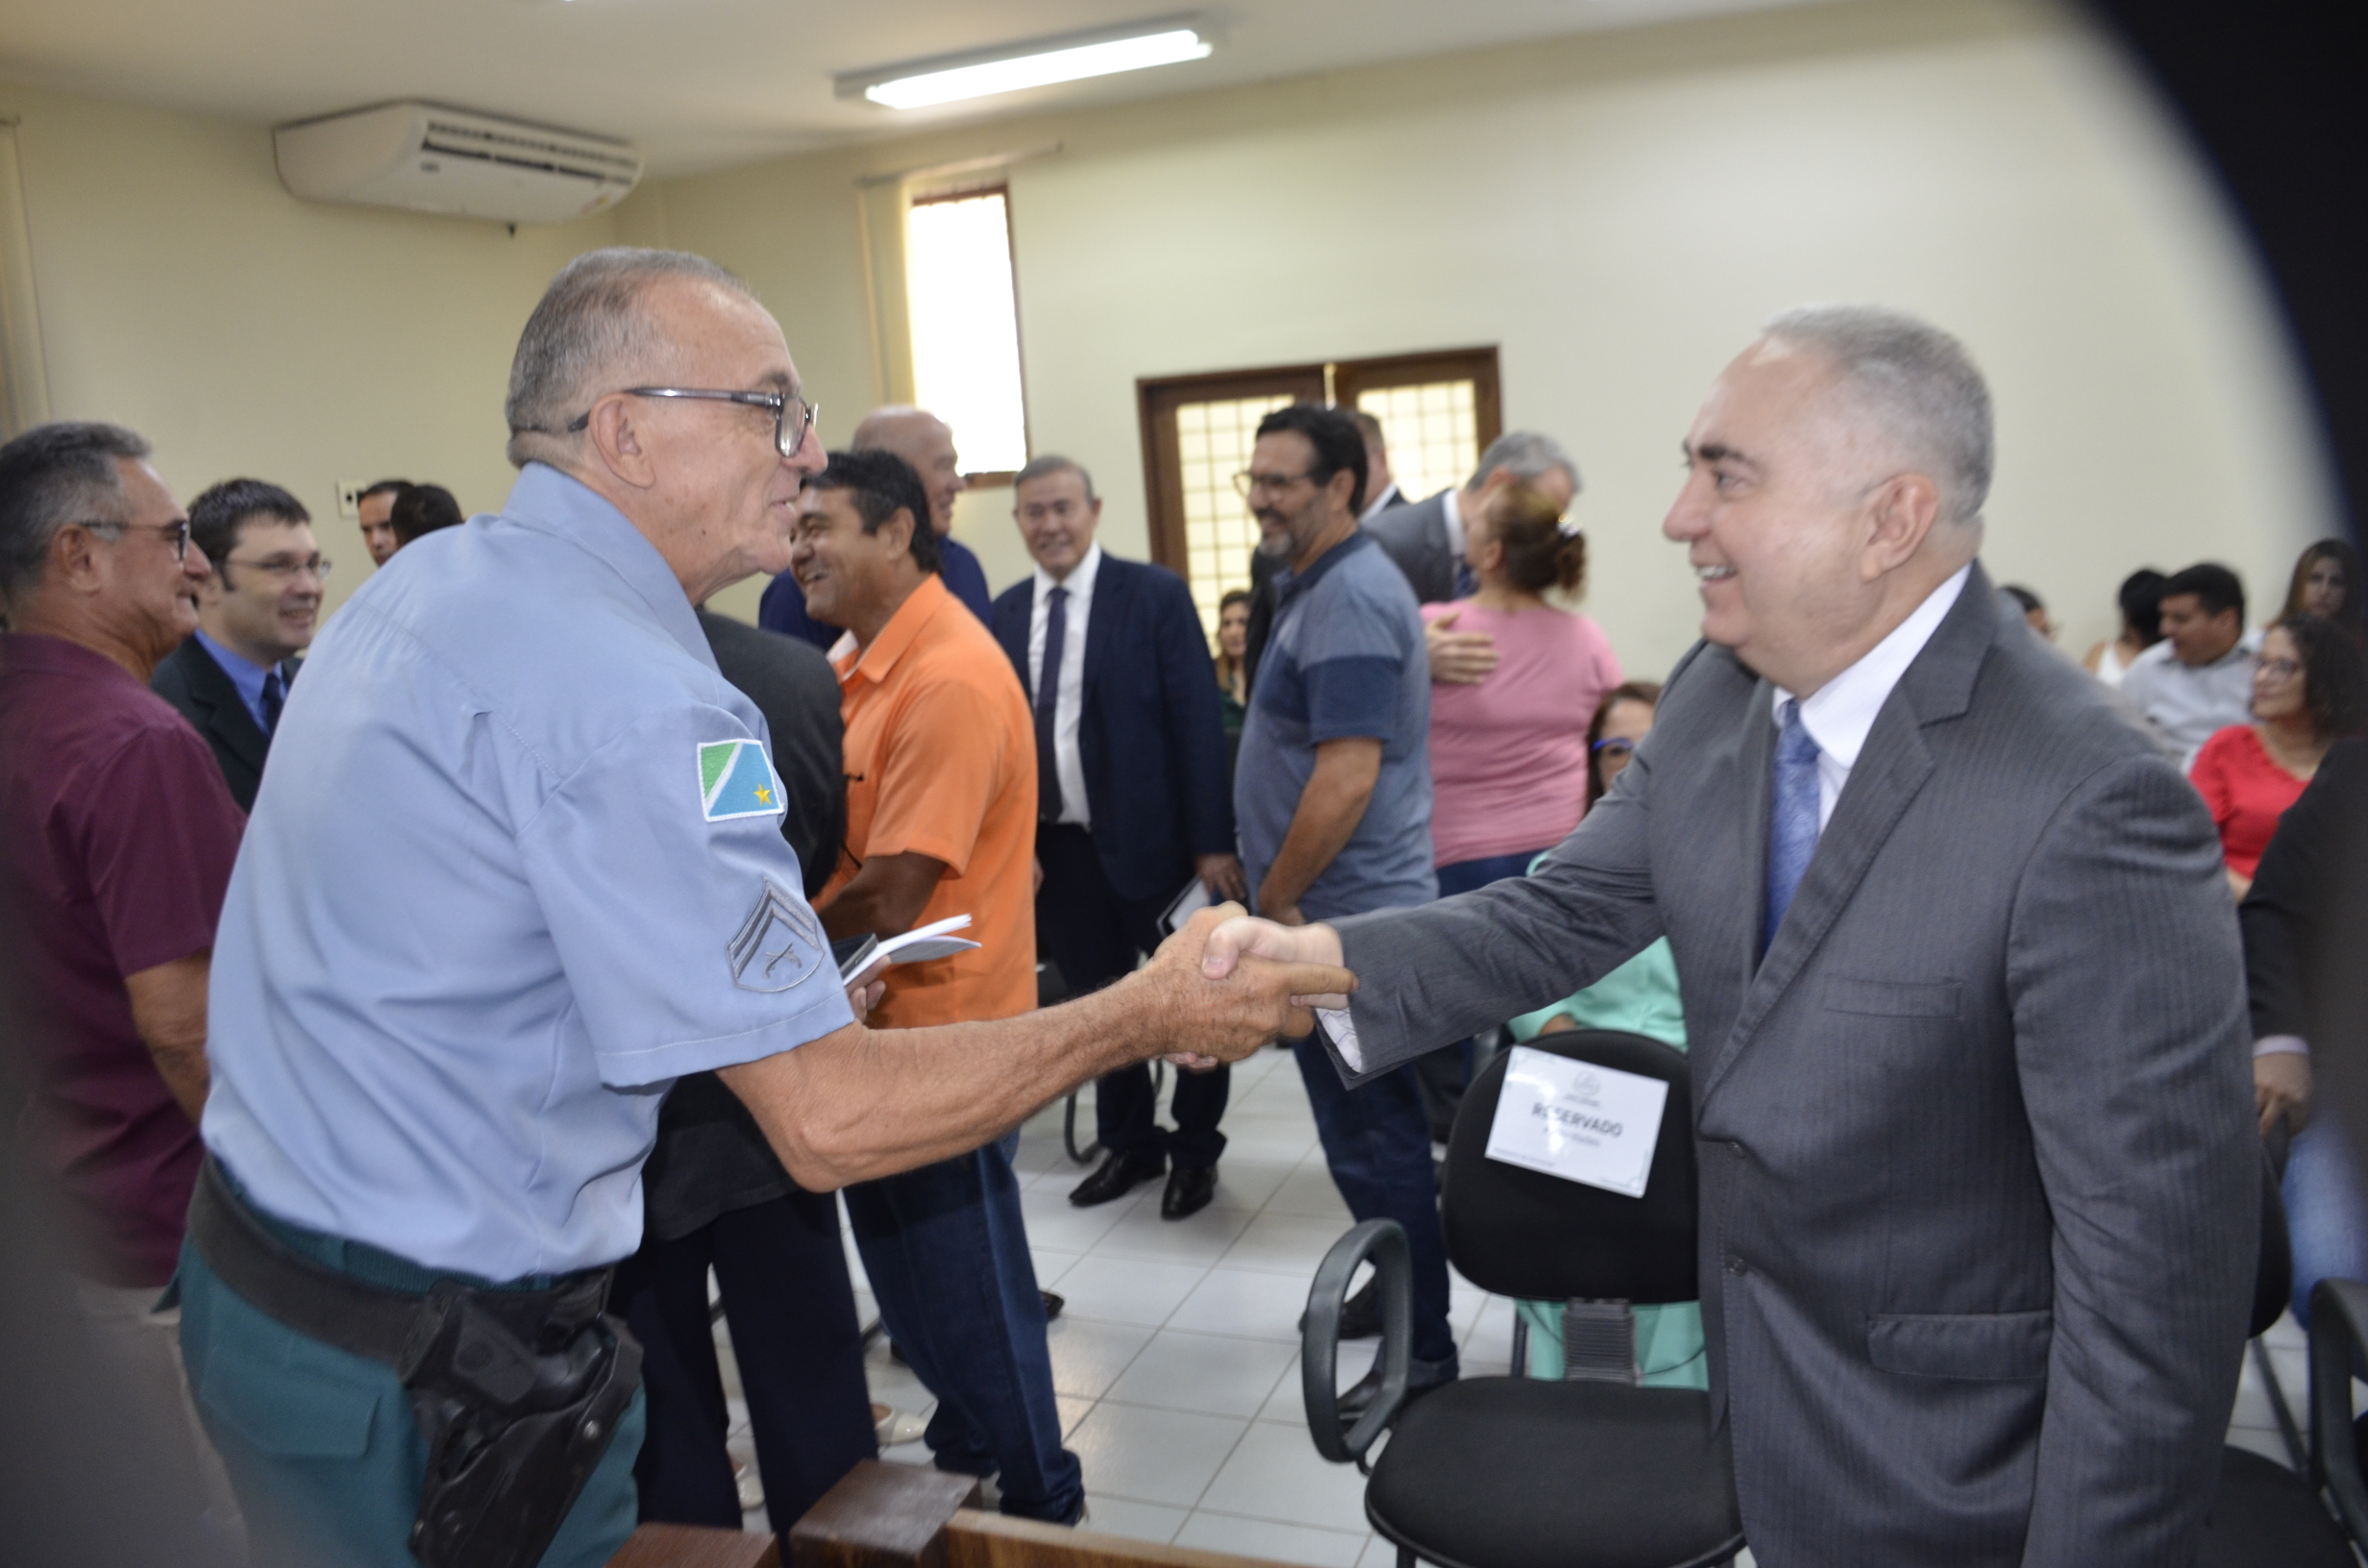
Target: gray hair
1918	381
50	476
1052	462
1529	455
590	329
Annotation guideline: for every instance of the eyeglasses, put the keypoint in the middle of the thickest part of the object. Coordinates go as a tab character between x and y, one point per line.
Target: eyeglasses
788	432
1613	749
177	533
2279	668
1248	483
286	568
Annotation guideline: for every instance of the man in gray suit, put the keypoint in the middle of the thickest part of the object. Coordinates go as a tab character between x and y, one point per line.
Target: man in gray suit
1980	1191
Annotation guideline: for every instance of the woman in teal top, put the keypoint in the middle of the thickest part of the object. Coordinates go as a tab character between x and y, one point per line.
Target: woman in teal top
1639	997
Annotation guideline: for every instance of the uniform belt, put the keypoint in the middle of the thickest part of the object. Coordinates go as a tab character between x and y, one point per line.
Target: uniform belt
372	1322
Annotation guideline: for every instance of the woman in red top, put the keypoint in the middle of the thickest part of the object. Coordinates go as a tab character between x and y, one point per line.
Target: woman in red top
2308	689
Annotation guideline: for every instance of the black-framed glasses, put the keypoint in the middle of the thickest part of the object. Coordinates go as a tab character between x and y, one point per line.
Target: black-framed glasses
1245	482
177	533
788	432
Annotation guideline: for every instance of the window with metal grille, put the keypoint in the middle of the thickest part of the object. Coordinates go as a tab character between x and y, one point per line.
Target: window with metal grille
1438	412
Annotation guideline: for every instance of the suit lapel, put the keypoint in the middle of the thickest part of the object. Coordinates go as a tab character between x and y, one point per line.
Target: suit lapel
1891	770
1102	623
227	715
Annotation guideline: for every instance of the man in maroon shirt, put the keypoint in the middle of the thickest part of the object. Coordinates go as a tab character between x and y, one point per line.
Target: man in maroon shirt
117	839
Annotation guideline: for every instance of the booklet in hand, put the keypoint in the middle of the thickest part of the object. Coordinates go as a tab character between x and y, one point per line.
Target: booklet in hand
936	939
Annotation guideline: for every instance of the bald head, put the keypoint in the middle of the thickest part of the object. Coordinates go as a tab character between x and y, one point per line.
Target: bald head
922	439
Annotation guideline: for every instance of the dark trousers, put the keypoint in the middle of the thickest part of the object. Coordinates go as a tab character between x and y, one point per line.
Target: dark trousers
795	1337
1096	936
1377	1142
946	1247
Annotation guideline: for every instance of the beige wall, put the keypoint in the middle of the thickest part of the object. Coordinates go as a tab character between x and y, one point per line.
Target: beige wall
184	293
1617	212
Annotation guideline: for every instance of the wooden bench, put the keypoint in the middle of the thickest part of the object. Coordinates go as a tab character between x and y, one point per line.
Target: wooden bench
907	1516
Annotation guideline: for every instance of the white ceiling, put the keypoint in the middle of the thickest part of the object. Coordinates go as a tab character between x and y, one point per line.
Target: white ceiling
699	83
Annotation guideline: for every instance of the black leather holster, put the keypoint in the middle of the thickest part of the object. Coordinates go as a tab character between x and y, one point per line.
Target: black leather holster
517	1392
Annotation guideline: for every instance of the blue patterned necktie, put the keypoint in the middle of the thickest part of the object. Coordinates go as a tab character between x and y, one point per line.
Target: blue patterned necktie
1048	701
273	700
1791	818
1466	580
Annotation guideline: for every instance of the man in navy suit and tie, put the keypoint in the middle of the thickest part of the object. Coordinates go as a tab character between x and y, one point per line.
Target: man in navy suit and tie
1133	799
253	618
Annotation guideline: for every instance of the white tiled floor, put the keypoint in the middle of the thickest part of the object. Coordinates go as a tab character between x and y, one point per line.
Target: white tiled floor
1176	1361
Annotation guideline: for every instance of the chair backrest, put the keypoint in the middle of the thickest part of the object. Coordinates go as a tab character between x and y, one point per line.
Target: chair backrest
1522	1232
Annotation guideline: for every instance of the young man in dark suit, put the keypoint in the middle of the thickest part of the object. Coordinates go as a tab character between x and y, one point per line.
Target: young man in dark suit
231	677
1132	797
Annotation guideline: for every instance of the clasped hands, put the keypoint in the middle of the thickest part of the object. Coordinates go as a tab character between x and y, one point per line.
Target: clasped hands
1232	982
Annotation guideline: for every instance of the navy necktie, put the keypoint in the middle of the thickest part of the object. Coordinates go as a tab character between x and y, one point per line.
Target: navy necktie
1466	580
1791	818
1047	702
274	698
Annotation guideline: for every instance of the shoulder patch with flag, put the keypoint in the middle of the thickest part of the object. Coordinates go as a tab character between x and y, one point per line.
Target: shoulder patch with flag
736	779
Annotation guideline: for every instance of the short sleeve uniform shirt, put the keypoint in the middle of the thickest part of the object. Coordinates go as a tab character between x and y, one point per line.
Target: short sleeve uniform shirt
1345	660
517	865
117	834
941	761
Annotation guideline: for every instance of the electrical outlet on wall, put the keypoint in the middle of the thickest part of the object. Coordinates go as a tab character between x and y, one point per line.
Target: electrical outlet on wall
349	497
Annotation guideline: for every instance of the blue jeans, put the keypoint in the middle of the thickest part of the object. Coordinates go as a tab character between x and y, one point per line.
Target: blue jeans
2324	1213
1377	1141
946	1247
1447	1070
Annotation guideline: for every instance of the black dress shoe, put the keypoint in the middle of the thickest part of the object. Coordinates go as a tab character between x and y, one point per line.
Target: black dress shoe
1360	1314
1118	1175
1422	1376
1053	1304
1189	1191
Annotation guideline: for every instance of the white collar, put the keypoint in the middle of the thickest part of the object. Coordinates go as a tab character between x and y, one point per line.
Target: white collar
1373	507
1454	517
1080	580
1840	714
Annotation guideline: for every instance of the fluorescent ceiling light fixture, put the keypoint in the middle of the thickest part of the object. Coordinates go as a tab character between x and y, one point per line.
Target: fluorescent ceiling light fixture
1070	58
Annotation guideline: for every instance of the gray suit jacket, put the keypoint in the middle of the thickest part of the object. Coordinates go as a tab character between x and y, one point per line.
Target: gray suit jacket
1416	537
1980	1180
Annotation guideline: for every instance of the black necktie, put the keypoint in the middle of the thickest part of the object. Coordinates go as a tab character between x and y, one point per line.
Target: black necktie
274	698
1048	701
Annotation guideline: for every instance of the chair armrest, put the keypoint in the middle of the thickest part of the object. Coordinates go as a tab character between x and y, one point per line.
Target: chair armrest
2338	1352
1384	1241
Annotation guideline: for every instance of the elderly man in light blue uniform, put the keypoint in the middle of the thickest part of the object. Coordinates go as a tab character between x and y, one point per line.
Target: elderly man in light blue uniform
517	867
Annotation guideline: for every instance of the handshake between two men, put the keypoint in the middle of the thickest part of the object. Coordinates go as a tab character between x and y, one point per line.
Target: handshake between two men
861	1103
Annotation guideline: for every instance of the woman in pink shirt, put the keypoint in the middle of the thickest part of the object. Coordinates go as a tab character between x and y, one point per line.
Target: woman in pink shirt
1509	754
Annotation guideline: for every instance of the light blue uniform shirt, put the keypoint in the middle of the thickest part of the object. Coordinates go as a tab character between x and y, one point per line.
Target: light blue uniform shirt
516	866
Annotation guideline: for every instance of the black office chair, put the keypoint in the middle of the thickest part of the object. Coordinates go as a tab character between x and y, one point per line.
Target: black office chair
1512	1472
2265	1515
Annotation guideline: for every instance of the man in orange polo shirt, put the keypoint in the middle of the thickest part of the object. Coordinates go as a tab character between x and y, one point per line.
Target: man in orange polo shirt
941	820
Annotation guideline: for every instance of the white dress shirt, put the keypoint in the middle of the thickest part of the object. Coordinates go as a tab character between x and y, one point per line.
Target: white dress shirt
1837	715
2188	703
1069	682
1840	714
1391	495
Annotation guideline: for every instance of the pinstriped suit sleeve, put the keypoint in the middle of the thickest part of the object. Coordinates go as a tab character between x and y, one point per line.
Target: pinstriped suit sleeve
2125	975
1433	975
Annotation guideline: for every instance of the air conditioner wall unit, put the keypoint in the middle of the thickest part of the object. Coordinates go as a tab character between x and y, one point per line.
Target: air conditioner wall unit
430	159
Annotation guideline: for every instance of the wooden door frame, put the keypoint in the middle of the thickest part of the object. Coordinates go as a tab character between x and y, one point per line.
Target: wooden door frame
1156	400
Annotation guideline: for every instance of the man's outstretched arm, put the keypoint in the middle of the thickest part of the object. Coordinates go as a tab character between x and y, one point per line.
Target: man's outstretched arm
861	1103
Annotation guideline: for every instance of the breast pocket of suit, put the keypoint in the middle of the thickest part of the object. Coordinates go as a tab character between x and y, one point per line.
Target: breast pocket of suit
1986	1347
